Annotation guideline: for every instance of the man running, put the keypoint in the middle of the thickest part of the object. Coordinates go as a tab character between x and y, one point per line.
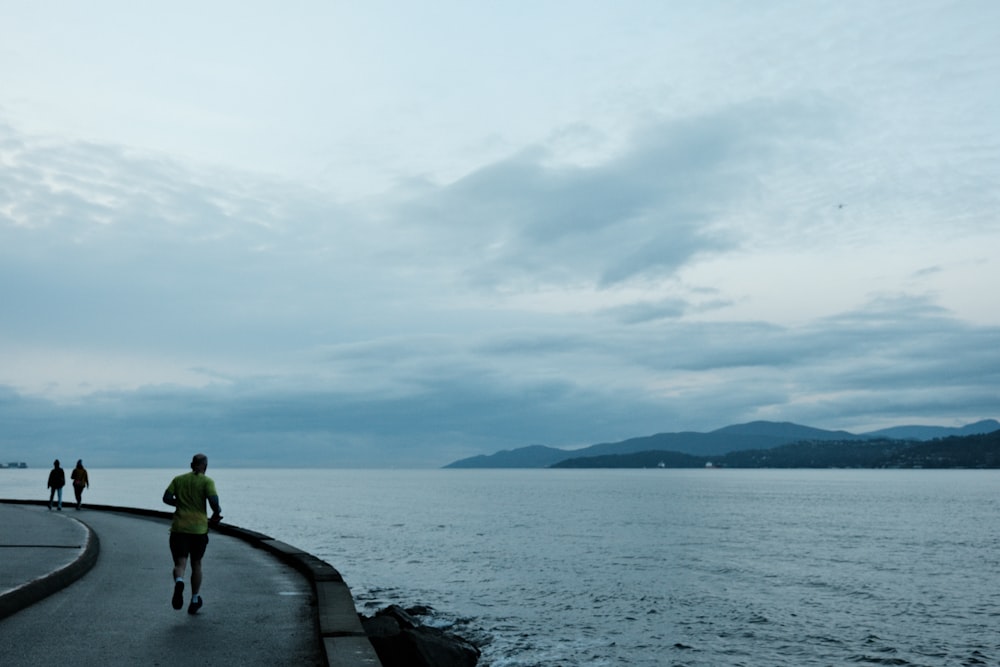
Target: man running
189	530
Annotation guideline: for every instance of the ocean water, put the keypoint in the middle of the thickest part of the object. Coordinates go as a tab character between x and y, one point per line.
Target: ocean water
642	567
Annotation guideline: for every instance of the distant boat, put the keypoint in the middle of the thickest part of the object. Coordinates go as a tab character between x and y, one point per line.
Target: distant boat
661	464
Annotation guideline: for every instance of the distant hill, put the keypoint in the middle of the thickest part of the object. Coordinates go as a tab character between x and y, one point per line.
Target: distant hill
534	456
738	437
931	432
969	451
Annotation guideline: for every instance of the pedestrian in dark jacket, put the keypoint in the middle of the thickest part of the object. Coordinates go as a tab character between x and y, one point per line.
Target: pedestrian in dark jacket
57	480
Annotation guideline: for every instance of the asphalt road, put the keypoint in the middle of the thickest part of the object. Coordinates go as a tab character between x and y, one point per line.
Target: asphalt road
258	611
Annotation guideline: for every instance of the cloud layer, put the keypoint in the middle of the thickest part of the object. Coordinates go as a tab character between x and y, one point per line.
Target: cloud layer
729	234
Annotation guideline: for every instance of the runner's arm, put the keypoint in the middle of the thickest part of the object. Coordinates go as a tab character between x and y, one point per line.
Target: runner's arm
216	509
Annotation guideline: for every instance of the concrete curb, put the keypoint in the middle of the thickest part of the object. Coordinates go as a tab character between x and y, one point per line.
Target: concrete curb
38	589
341	634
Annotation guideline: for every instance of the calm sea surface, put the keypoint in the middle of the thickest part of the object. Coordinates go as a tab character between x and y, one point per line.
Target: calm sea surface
642	567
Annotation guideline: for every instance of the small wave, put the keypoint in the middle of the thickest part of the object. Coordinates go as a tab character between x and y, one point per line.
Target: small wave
875	660
824	640
976	658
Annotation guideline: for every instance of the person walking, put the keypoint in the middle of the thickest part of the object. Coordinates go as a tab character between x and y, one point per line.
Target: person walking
189	530
57	480
80	481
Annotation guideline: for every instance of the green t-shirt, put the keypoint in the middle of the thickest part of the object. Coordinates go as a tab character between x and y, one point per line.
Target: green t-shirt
192	491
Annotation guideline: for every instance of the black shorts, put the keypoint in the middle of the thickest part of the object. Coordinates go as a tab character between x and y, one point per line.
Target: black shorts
183	545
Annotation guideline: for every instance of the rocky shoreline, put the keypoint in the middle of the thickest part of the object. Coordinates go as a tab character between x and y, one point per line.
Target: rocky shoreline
401	640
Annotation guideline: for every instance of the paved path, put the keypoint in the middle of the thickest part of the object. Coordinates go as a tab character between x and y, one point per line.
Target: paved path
35	544
258	610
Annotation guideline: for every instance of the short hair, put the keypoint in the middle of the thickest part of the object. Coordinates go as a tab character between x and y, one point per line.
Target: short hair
198	460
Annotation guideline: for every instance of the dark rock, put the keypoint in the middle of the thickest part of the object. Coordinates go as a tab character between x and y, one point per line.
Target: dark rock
400	640
381	626
401	616
420	610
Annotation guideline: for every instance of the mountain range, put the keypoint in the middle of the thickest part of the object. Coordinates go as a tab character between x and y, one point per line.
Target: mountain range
755	435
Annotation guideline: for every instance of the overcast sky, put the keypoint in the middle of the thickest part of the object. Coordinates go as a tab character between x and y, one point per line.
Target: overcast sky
403	233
